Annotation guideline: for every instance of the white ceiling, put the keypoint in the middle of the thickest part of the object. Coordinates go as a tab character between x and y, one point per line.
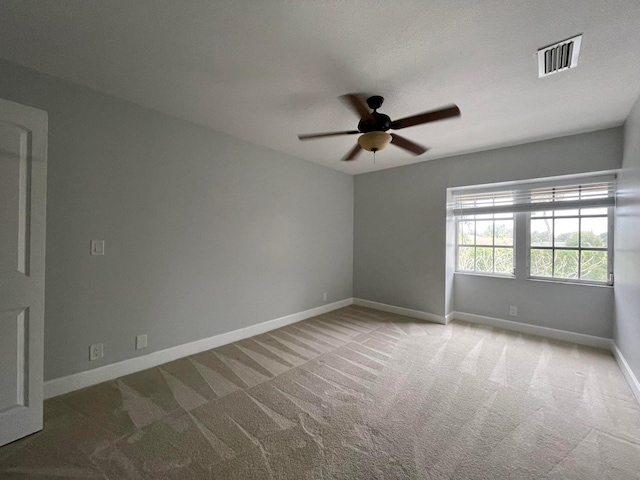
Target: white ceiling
266	70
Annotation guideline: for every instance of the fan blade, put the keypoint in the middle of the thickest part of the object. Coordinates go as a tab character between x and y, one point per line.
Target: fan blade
426	117
407	144
353	153
356	102
311	136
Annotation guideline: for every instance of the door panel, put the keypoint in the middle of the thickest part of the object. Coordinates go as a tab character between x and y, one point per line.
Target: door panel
23	175
13	358
14	196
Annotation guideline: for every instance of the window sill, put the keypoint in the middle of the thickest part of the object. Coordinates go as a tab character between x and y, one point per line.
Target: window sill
536	279
568	282
491	275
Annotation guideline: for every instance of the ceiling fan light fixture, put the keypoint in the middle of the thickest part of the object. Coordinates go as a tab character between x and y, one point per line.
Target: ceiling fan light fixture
374	141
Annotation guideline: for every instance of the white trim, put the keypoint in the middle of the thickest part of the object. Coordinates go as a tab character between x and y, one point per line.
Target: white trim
407	312
564	335
554	181
76	381
448	317
632	380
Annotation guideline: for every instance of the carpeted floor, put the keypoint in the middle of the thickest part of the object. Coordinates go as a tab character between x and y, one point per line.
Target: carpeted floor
354	394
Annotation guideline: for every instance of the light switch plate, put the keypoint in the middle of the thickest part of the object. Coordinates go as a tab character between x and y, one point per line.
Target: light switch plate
141	341
97	247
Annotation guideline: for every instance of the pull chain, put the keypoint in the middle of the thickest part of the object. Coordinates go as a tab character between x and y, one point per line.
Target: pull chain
374	157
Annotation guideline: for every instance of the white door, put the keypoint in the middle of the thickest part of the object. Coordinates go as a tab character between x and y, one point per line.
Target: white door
23	193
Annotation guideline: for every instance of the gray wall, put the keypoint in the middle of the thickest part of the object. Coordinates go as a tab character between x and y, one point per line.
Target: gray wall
400	227
575	308
627	246
204	233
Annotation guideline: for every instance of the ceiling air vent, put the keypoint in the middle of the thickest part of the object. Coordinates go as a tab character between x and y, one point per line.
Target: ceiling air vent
559	56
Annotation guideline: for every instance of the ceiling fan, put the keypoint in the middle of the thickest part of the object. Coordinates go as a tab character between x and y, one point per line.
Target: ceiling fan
373	126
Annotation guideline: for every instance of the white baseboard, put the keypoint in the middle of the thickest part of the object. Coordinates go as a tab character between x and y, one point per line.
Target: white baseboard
407	312
580	338
632	380
62	385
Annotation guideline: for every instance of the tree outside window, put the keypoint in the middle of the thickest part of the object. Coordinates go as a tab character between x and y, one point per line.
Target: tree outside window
570	244
485	244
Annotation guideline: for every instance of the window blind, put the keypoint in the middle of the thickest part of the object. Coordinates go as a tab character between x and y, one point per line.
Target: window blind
529	198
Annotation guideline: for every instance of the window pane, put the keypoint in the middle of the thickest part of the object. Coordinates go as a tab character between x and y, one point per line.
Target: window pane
546	213
476	240
593	211
504	232
466	232
466	258
541	232
565	264
484	232
594	232
565	232
504	260
484	259
541	263
593	265
566	213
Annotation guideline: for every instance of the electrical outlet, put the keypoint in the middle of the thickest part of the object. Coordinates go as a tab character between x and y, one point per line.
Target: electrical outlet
141	341
96	351
513	311
324	297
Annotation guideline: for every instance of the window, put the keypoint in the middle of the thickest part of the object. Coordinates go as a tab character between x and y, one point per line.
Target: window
568	230
571	243
485	243
485	236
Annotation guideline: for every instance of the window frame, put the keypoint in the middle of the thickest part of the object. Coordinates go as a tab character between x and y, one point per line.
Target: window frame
522	210
609	249
493	246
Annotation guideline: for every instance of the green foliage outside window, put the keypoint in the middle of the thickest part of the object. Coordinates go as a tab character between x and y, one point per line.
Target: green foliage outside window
569	255
485	244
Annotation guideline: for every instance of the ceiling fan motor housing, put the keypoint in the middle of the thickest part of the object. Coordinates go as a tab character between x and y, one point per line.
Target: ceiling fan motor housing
377	122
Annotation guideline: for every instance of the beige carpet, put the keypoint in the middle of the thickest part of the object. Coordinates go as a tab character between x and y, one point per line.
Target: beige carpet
355	394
